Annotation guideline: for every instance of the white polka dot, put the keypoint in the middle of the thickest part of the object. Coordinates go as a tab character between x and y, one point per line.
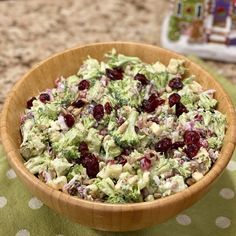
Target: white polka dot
183	220
35	203
3	201
227	193
23	232
11	174
222	222
59	235
231	166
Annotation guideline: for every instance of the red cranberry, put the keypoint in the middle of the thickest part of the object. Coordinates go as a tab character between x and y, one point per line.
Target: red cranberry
141	78
121	160
180	109
108	108
177	145
83	84
198	117
154	119
30	102
152	103
78	104
191	137
83	148
176	83
163	145
127	151
90	162
174	99
98	112
103	131
44	97
115	73
192	150
69	120
145	163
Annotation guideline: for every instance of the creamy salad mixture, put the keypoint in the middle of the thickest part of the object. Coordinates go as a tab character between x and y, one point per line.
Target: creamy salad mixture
122	131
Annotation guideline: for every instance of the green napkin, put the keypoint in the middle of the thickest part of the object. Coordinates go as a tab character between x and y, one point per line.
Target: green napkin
22	214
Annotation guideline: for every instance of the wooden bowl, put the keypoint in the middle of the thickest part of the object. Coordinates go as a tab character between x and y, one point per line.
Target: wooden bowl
104	216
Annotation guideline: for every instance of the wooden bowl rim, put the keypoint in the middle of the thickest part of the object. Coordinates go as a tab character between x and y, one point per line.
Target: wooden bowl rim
65	198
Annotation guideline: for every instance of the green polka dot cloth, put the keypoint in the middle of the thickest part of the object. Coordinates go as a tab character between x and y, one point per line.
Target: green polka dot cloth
22	214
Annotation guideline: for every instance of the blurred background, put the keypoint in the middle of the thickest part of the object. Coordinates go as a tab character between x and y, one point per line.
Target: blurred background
31	30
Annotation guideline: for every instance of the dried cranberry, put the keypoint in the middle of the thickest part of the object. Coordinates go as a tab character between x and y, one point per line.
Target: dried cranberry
174	99
154	119
198	117
120	121
180	109
90	162
111	162
145	163
98	112
142	78
30	102
191	137
163	145
78	104
152	103
192	150
103	131
115	73
44	97
108	108
176	83
127	151
177	145
121	160
83	148
83	84
69	120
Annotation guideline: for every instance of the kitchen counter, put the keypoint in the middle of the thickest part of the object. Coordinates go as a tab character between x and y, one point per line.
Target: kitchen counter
33	30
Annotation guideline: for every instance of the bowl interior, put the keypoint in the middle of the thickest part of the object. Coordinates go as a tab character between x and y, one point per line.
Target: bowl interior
43	75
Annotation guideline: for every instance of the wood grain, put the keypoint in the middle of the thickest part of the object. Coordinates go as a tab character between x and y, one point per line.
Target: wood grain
105	216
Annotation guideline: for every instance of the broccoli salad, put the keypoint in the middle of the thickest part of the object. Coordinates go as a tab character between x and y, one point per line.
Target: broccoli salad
122	131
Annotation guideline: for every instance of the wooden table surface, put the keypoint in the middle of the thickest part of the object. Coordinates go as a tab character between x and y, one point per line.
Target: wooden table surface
32	30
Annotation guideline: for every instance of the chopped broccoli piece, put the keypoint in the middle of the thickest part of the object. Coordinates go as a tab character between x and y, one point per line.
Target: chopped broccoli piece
160	80
90	70
206	101
127	137
61	166
94	140
126	92
76	170
176	66
38	164
118	60
110	147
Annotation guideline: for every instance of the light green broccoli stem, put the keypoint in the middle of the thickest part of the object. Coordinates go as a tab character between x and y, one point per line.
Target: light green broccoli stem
126	135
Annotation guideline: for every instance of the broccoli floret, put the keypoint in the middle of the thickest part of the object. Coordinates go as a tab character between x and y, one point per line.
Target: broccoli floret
91	70
94	140
160	80
61	166
126	92
119	60
125	135
118	198
110	147
76	170
38	164
176	66
206	101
